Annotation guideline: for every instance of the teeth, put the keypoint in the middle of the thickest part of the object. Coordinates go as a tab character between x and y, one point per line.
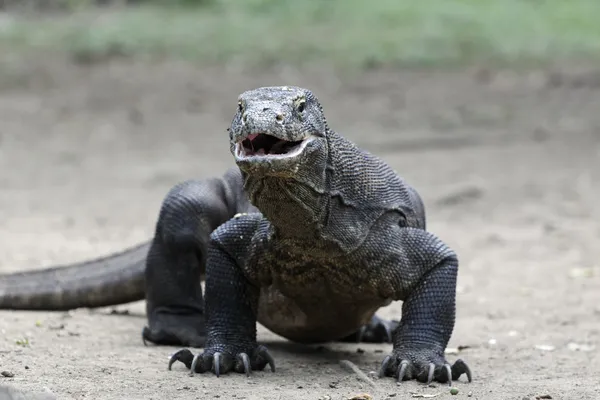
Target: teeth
243	151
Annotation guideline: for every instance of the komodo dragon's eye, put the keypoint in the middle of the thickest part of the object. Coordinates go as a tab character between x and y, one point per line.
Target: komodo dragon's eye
240	106
300	105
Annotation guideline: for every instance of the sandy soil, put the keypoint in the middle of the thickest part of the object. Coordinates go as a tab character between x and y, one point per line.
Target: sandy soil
508	164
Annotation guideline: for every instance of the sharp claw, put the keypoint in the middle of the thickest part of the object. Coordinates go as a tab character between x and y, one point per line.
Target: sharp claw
172	360
216	363
263	352
384	366
459	368
194	363
468	371
402	372
144	336
246	362
448	373
176	357
431	371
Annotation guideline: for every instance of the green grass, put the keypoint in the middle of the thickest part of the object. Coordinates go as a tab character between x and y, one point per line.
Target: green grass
351	33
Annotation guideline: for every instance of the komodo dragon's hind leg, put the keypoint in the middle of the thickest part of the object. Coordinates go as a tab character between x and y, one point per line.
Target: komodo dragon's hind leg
177	257
174	305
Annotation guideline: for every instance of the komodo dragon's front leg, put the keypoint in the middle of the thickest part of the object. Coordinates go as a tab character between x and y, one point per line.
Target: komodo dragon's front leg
232	296
421	271
177	257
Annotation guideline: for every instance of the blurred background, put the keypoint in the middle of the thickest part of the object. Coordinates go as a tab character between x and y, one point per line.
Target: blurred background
491	109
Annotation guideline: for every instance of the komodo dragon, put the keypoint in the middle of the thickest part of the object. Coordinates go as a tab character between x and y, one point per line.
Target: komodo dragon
309	236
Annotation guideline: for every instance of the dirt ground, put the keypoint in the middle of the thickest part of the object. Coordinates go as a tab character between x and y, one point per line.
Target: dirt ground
508	164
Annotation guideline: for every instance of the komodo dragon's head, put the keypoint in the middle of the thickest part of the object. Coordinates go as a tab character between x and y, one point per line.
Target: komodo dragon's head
279	132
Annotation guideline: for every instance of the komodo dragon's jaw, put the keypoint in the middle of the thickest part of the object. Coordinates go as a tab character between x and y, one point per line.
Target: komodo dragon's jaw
265	146
276	128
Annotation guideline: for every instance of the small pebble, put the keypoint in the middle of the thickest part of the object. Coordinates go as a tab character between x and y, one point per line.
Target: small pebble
544	347
7	374
362	396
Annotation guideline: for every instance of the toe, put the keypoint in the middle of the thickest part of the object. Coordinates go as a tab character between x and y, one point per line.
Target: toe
222	363
430	373
460	367
402	371
383	370
183	355
446	375
265	358
242	364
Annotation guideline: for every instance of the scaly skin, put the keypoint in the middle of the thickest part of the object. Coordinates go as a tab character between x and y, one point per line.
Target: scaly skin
309	243
335	235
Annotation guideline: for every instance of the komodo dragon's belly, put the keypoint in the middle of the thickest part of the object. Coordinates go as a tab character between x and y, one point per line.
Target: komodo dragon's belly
312	306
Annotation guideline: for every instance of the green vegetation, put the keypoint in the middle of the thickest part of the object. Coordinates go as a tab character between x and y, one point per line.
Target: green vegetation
351	33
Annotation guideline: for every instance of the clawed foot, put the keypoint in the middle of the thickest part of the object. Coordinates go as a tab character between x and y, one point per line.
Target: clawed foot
378	330
405	365
173	329
223	362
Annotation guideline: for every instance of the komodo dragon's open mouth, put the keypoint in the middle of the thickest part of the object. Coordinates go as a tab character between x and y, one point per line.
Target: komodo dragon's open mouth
263	145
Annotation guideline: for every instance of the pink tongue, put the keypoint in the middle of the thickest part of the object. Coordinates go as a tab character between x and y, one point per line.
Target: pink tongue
252	137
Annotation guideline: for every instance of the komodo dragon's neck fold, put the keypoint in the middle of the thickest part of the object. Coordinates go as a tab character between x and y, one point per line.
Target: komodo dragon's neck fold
297	204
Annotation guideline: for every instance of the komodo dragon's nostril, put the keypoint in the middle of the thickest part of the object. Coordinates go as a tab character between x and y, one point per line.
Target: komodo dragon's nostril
279	117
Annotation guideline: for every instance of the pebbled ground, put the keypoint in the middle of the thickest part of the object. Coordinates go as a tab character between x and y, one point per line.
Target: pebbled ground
508	164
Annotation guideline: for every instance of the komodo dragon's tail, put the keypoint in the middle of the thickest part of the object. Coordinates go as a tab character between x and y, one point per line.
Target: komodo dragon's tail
114	279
